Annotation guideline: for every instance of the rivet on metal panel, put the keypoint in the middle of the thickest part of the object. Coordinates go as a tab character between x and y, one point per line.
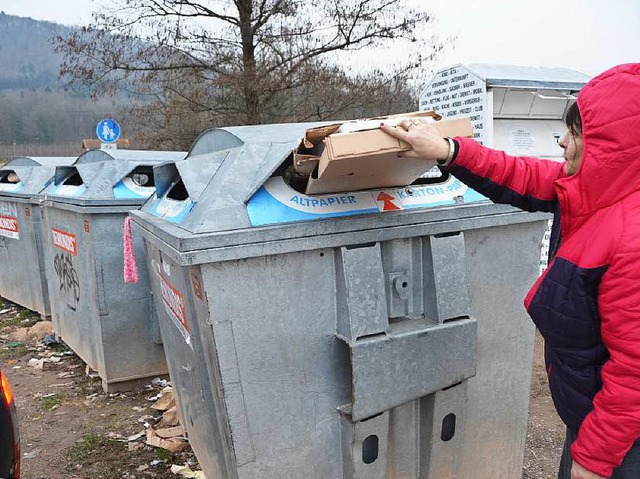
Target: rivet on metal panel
402	285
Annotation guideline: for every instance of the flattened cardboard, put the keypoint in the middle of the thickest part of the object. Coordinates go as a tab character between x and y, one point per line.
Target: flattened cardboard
369	159
314	136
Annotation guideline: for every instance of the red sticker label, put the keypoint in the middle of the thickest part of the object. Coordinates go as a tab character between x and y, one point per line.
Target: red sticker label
9	227
174	302
65	241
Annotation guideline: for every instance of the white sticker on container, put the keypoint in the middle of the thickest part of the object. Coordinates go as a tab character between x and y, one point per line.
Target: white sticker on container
522	140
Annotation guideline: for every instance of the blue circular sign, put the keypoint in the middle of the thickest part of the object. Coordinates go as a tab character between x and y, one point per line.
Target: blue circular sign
108	131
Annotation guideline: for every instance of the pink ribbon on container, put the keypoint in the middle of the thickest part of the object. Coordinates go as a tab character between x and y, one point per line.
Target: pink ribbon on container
130	266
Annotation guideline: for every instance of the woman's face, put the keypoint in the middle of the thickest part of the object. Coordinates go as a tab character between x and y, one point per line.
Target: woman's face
572	145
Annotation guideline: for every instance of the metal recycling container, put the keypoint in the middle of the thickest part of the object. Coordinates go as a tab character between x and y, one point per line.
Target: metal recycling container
372	334
109	324
22	276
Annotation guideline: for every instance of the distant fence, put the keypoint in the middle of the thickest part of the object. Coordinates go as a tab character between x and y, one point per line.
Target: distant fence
8	152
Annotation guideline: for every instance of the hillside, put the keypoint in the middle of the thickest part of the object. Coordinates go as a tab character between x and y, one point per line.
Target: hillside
26	53
37	115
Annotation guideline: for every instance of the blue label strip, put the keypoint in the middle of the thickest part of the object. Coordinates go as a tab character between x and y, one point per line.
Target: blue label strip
275	202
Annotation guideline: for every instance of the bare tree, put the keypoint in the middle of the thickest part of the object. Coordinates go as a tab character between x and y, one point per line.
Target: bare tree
250	61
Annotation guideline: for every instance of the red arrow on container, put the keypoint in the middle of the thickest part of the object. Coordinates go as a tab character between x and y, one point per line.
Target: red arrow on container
389	205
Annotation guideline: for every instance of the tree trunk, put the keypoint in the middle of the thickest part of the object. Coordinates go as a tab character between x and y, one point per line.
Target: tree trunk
250	84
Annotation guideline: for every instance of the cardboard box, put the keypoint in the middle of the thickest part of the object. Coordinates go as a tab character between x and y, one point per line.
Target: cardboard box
361	160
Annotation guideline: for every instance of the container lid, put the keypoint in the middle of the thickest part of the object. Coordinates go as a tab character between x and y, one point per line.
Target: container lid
224	168
555	78
28	176
118	177
233	179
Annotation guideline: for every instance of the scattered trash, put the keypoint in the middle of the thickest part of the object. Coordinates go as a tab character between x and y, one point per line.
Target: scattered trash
139	409
135	437
31	455
4	311
148	420
13	344
144	467
90	372
48	395
50	340
185	471
159	383
170	417
65	375
36	363
173	444
169	432
165	401
155	462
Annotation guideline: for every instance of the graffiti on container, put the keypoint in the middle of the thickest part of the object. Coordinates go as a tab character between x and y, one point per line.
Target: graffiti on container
68	278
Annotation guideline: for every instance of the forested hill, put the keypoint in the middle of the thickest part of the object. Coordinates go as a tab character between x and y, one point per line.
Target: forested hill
38	117
27	60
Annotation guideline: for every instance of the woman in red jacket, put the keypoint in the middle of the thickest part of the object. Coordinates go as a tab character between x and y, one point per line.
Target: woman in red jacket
587	303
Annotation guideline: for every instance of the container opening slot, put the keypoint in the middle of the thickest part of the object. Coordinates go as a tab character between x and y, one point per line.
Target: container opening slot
73	179
178	192
9	177
292	177
143	176
432	177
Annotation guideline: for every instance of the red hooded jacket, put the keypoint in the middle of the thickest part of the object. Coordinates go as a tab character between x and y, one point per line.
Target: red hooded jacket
587	303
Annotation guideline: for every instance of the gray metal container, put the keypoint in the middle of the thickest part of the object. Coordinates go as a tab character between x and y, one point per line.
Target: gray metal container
109	324
365	344
22	275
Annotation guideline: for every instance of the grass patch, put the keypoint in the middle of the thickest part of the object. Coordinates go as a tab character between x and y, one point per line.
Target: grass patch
166	456
9	353
25	319
50	402
93	453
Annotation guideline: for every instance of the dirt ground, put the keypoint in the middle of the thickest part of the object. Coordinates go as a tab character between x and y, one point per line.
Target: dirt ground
71	429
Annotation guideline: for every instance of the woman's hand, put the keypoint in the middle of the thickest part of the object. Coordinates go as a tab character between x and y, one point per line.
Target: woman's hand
425	141
579	472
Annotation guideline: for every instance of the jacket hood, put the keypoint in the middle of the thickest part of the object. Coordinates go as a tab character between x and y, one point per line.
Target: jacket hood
610	170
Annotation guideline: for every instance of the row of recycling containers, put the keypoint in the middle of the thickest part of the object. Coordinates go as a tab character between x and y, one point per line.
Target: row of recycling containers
305	337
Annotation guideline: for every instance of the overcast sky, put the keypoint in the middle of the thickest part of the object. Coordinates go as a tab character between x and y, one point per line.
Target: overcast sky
588	35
